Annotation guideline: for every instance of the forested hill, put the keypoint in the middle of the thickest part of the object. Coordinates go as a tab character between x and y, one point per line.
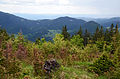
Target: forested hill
33	29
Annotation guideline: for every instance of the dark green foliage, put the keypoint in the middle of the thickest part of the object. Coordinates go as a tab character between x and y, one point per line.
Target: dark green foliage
101	32
117	57
116	30
80	32
37	41
107	36
115	74
40	41
112	30
65	33
86	37
101	65
96	35
100	45
77	40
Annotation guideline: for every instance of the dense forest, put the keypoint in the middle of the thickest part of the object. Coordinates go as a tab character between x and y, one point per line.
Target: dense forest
79	56
47	28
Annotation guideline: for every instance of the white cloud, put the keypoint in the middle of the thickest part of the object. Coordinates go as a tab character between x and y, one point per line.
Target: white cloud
48	9
44	1
17	2
39	1
45	7
64	2
100	7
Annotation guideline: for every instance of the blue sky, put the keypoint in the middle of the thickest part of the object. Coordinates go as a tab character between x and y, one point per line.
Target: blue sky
102	8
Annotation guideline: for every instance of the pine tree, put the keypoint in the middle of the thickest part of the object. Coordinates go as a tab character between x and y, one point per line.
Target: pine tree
116	36
96	35
107	36
116	30
65	33
112	30
80	32
86	37
101	32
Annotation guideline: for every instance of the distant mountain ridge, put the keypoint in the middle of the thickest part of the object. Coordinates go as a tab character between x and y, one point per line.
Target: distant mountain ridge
106	22
39	28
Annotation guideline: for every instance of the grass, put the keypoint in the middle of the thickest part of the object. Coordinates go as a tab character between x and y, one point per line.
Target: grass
76	71
27	70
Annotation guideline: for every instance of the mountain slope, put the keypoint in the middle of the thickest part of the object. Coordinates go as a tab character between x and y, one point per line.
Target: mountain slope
39	28
108	22
91	26
13	23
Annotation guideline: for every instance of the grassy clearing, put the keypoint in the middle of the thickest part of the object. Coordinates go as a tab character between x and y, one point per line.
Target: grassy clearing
76	71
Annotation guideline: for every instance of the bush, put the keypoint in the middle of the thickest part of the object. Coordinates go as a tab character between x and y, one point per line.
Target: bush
100	45
115	74
101	65
77	40
10	67
38	68
89	53
48	48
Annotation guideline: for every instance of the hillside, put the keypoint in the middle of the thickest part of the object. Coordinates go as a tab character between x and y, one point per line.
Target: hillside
33	29
106	22
90	56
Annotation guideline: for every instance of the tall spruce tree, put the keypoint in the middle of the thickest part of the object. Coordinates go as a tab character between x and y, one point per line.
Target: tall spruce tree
115	39
117	35
101	33
112	30
116	30
107	36
65	33
86	37
96	35
80	32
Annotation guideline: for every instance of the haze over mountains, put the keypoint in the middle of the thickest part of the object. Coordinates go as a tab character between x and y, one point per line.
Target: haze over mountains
33	29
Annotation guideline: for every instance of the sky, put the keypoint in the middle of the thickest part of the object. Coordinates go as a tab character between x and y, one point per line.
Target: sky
101	8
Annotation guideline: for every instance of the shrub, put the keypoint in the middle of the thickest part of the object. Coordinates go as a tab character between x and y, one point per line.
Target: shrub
48	48
38	67
11	67
117	57
101	65
115	74
89	53
100	45
77	40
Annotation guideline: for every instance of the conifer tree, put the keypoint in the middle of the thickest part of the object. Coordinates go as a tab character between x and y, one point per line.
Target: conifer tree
101	32
65	33
86	37
116	36
116	30
112	30
107	36
80	32
96	35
